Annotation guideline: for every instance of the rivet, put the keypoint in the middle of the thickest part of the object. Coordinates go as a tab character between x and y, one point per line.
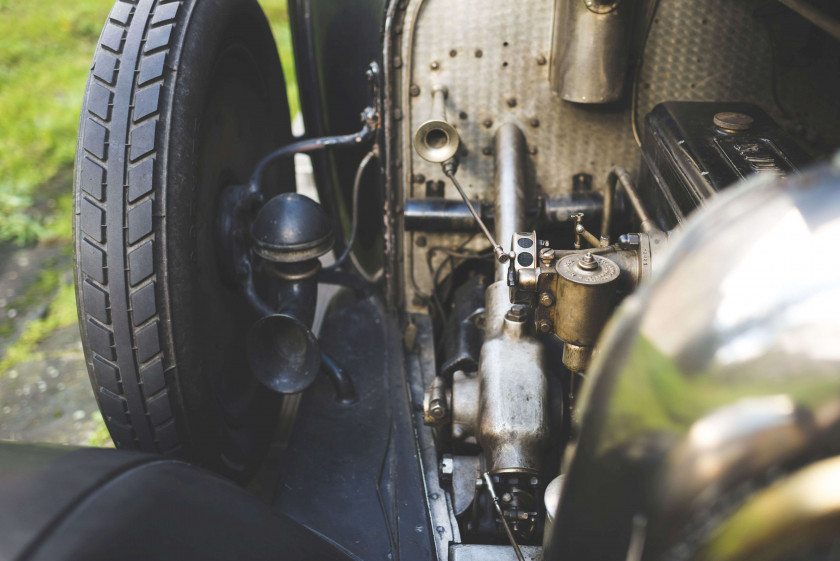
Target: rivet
418	178
487	123
453	53
435	65
511	102
535	122
479	53
414	90
541	60
487	151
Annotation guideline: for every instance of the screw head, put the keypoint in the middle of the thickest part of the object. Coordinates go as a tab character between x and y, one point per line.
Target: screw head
414	90
421	241
547	255
544	326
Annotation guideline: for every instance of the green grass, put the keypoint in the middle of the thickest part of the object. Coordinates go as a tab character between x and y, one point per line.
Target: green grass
46	47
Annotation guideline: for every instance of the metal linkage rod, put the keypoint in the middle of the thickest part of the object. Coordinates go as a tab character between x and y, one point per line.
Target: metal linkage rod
492	490
449	169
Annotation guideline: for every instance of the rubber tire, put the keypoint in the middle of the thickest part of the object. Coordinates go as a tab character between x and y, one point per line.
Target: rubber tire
183	98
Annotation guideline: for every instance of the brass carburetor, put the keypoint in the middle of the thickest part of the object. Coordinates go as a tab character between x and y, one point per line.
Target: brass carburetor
574	292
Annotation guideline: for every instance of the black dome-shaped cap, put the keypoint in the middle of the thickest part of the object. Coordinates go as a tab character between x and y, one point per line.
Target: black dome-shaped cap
291	228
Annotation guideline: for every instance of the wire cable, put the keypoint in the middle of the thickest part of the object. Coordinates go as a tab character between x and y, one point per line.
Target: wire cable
354	225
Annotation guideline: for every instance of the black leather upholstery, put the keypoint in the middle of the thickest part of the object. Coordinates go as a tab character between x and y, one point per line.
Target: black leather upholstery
62	503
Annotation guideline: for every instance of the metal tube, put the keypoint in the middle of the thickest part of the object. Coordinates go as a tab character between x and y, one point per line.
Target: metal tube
510	187
606	217
345	390
436	140
434	214
623	177
591	49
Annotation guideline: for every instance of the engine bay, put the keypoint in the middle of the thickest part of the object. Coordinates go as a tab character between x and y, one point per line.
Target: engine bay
544	170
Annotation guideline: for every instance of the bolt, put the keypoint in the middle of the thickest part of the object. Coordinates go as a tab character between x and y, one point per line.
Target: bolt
546	299
487	151
511	102
541	60
437	410
414	90
547	255
479	53
487	123
544	326
517	313
435	65
453	53
535	122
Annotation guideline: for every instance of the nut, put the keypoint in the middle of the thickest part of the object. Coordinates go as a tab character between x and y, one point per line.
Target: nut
517	313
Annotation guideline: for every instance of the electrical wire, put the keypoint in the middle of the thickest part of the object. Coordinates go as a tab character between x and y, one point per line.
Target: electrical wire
354	225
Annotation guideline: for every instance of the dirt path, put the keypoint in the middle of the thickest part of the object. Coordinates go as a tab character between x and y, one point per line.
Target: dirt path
46	396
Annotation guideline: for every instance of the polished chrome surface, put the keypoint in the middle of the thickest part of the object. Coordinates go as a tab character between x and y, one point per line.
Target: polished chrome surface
436	140
510	187
797	514
590	51
715	377
513	402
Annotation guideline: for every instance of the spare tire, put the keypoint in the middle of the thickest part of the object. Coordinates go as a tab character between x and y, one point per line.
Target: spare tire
183	98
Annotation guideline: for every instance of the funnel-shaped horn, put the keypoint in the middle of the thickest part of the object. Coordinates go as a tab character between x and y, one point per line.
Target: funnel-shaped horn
283	353
436	140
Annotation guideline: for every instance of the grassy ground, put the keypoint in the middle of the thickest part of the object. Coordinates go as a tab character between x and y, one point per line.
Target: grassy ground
45	51
46	47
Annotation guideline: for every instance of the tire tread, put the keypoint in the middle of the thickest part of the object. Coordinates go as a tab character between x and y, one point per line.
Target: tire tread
134	395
